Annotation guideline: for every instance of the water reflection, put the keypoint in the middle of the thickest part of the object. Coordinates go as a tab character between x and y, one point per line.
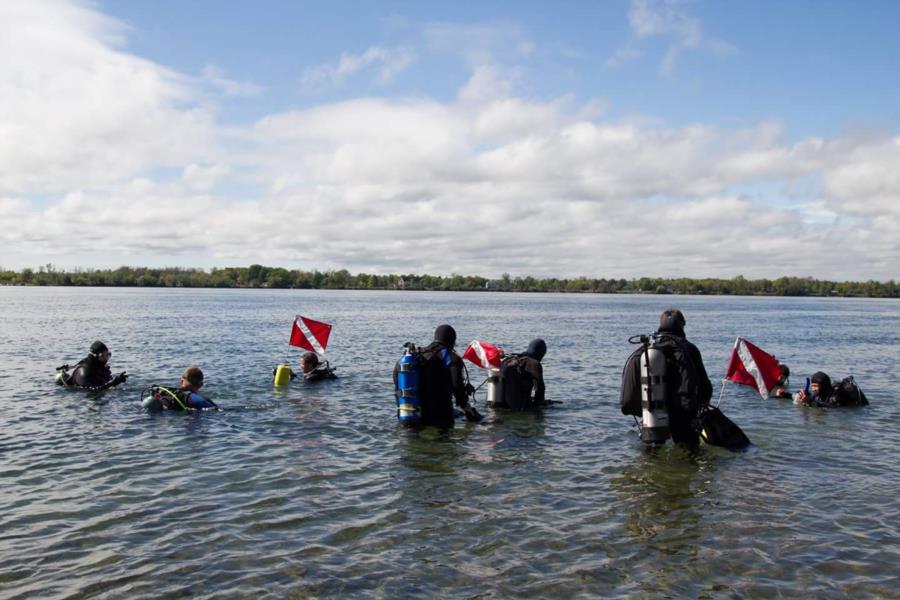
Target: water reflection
662	493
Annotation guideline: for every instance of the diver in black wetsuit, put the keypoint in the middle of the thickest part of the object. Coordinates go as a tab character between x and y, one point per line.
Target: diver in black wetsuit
688	388
312	372
93	372
823	393
523	378
781	386
442	379
310	369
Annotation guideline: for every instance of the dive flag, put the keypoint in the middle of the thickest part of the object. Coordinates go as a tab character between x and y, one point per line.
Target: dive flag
483	355
310	335
751	366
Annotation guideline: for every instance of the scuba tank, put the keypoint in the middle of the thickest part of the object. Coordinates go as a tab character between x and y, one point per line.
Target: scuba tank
494	387
64	377
655	421
282	374
408	409
151	399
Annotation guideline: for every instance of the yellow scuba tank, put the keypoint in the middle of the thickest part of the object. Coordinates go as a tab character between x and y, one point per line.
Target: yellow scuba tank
282	374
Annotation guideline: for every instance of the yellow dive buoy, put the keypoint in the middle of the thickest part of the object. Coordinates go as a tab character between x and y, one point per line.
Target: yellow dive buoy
282	374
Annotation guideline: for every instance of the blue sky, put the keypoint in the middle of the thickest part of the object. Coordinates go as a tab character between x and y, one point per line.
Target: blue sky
536	138
820	67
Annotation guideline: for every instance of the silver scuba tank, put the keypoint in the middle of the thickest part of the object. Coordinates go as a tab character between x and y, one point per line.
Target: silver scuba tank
494	387
655	422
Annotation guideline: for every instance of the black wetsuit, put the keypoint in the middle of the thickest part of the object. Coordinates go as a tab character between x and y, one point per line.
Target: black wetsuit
319	374
442	381
91	373
691	375
535	372
523	385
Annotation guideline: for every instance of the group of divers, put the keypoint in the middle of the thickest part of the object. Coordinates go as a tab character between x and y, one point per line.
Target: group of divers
665	386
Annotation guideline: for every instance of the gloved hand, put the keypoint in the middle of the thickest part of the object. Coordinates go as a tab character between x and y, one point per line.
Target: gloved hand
473	415
120	378
470	389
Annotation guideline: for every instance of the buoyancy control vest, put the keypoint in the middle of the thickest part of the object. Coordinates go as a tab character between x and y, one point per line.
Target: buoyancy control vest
320	373
87	373
847	393
158	397
517	382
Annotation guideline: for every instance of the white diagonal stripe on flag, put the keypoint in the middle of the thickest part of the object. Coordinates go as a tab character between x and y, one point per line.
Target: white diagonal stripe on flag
751	368
482	356
308	335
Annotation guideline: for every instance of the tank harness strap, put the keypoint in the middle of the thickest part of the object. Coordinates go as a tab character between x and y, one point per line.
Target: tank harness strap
409	366
445	357
173	395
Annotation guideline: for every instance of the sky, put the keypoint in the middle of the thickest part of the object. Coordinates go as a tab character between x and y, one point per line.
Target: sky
616	139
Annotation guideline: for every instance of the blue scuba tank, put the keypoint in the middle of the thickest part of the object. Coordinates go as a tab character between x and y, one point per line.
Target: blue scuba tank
409	411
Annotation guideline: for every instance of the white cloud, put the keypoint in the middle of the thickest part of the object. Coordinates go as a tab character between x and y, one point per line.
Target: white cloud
215	77
75	111
485	85
386	62
667	19
485	183
197	177
868	181
481	44
623	55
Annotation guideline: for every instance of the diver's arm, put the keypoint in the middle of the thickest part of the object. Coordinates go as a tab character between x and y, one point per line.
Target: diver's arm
536	370
457	382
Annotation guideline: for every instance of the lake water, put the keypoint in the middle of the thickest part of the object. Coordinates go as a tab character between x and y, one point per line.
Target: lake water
314	491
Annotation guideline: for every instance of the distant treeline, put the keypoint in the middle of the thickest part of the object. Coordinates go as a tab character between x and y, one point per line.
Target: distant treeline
258	276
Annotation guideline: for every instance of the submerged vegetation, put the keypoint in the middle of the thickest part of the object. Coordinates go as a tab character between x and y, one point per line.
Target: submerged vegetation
258	276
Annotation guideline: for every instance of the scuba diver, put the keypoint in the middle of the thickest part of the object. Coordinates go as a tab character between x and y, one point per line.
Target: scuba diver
309	367
309	363
822	393
439	379
523	378
665	383
92	372
186	397
781	386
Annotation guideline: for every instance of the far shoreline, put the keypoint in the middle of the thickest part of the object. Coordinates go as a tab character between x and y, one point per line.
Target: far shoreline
261	277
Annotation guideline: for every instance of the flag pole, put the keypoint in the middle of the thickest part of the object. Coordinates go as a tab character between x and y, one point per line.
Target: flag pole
721	392
737	340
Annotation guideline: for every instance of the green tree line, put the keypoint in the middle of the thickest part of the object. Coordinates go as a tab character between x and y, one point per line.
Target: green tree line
259	276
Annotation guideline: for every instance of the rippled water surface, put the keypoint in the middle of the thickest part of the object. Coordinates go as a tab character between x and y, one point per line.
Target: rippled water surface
315	491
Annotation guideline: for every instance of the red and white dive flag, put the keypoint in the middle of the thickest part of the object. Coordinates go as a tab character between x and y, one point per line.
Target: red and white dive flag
483	355
751	366
310	335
